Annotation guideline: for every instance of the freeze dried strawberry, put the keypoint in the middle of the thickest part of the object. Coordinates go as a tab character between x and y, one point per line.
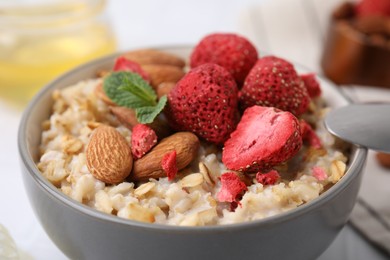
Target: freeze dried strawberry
231	187
264	137
373	7
235	53
143	138
273	82
269	178
311	84
123	64
319	173
309	135
169	164
204	102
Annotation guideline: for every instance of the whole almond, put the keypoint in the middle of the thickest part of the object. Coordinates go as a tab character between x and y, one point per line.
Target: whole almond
108	155
162	73
99	92
127	117
186	145
150	56
164	88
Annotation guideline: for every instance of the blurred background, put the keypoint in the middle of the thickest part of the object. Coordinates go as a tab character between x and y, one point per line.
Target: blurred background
40	39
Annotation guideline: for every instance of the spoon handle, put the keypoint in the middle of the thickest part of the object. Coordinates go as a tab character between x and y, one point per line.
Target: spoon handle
363	124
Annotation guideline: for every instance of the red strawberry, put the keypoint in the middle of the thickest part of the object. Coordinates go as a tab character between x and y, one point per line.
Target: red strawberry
309	135
311	84
264	137
231	187
143	138
269	178
235	53
273	82
373	7
123	64
204	102
169	164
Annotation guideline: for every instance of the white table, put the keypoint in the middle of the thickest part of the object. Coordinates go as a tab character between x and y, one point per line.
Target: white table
151	23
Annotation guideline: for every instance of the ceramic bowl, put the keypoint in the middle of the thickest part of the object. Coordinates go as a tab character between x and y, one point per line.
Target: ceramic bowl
81	232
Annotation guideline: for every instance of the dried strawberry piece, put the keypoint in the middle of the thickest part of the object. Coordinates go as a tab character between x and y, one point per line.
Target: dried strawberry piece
264	137
204	102
143	138
169	164
233	52
309	135
231	187
312	85
319	173
274	82
269	178
123	64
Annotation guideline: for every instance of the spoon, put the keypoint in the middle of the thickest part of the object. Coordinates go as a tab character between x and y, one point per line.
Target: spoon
362	124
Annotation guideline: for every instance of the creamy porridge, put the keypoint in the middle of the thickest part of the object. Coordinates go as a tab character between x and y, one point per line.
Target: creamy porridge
203	191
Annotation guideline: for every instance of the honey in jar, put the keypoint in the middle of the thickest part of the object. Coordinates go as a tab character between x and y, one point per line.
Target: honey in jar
40	41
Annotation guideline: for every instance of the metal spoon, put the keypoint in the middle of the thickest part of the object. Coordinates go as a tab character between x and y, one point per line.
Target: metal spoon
363	124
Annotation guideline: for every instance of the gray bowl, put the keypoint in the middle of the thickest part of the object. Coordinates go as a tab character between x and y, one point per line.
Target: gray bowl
81	232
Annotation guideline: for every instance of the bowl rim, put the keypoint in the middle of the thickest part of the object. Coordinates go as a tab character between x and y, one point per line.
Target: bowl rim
356	163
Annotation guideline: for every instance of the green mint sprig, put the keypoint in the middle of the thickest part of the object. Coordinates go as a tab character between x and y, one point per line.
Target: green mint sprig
130	90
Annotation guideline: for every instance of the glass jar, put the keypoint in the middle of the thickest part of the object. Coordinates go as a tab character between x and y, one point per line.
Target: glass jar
40	41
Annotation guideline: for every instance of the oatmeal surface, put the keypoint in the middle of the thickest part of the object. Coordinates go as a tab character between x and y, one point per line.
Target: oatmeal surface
191	198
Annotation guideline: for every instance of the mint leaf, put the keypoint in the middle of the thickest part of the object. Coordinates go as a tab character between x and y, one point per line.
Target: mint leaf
147	114
129	90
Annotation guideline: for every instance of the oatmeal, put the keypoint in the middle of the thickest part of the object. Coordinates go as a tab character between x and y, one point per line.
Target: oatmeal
171	169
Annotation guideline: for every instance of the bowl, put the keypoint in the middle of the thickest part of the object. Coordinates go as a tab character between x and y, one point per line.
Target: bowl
81	232
351	56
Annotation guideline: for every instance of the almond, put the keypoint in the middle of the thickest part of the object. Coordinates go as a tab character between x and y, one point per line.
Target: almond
186	145
150	56
164	88
108	154
162	73
127	117
99	92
